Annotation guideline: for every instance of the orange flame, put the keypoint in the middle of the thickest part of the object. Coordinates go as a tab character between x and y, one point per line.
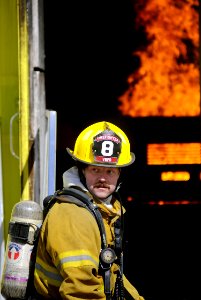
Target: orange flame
168	81
175	176
173	153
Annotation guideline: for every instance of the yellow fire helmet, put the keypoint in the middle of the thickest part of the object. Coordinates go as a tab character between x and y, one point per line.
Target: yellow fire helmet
103	144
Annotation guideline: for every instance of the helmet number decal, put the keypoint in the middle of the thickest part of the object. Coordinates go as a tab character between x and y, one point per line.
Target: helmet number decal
107	147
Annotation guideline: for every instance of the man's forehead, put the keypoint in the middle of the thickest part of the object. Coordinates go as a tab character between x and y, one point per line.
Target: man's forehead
102	167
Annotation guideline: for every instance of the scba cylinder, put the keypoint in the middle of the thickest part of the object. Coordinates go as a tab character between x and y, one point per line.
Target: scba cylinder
26	220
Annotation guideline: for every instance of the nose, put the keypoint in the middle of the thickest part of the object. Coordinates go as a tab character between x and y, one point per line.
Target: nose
102	176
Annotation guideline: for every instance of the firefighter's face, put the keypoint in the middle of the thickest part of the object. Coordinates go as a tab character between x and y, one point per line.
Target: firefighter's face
101	181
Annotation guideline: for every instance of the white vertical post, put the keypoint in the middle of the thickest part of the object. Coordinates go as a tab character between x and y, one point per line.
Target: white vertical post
51	142
48	176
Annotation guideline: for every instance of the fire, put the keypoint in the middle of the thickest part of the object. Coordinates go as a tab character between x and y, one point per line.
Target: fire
173	153
167	82
175	176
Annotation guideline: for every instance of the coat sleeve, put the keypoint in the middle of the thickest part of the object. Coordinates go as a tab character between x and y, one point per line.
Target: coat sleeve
74	245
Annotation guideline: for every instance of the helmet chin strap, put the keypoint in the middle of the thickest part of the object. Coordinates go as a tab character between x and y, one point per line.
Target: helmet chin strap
118	186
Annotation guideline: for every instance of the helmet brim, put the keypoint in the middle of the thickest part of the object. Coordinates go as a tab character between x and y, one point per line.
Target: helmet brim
70	152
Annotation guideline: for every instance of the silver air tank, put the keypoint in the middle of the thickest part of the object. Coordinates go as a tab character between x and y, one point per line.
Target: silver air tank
26	220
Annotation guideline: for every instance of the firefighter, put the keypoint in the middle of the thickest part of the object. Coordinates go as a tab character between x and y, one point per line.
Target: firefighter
70	261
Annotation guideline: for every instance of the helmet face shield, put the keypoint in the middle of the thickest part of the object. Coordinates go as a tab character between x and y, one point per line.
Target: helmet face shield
103	144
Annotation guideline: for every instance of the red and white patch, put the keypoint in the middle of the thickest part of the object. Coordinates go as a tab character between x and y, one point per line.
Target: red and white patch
14	252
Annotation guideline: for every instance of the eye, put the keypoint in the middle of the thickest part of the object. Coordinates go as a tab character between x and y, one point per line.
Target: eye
110	172
94	170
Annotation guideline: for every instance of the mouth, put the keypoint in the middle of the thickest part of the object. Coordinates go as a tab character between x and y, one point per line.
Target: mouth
101	186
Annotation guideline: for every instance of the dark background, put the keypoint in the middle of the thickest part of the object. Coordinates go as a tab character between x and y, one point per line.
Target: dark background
89	48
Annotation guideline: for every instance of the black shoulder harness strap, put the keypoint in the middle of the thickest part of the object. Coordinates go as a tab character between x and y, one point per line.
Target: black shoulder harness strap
107	256
86	202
